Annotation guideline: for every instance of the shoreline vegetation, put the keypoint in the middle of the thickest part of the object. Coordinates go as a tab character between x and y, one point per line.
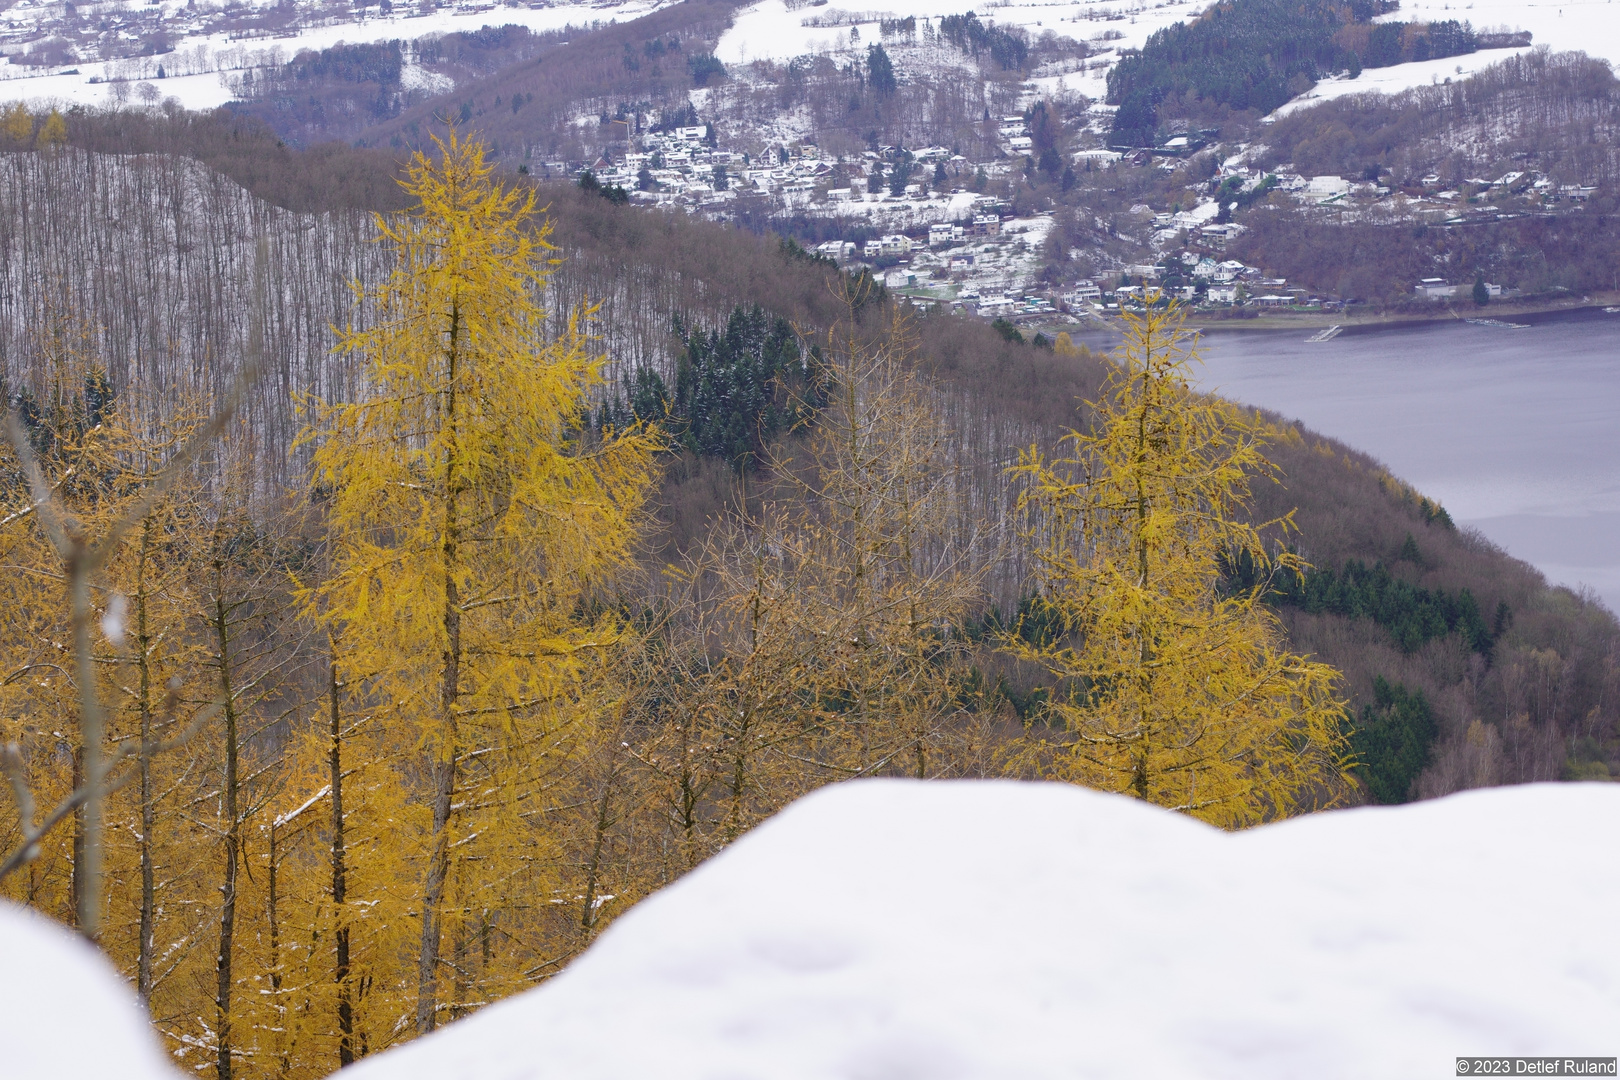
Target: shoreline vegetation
1301	320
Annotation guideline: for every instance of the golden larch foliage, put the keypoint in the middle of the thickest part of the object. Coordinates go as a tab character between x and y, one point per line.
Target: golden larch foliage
469	515
1171	685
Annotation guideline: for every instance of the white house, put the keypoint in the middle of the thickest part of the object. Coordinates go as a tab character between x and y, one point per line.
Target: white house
896	244
1322	188
1223	294
1436	288
939	234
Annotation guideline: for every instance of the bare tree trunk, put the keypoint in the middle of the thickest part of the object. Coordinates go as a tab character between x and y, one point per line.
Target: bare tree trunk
275	945
340	884
444	763
143	660
87	762
233	827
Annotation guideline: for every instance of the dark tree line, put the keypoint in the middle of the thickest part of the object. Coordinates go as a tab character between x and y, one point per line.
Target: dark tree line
1393	740
1007	48
525	109
1413	615
737	389
1257	54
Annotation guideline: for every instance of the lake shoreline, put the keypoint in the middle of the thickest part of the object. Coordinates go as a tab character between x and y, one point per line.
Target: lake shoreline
1496	309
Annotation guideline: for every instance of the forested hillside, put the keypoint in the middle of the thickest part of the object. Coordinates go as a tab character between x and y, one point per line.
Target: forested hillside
512	590
530	106
1258	54
1550	113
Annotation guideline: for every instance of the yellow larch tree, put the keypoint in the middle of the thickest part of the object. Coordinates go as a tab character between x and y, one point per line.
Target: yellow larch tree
1171	685
17	124
469	513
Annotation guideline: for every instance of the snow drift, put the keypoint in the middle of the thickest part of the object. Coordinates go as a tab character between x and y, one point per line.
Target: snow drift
886	929
64	1012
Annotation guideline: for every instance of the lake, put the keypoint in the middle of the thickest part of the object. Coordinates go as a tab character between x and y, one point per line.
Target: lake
1515	431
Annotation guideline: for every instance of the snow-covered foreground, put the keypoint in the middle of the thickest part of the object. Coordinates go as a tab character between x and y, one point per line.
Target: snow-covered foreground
997	929
64	1012
892	929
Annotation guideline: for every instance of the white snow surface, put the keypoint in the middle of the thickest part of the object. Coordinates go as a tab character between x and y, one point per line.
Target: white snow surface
64	1011
769	31
893	929
209	90
1589	26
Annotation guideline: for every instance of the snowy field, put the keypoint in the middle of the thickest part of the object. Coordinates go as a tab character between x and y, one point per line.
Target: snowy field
207	91
892	929
1589	26
768	30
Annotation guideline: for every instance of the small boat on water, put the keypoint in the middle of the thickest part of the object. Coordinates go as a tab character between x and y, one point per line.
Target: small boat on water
1326	335
1611	311
1499	324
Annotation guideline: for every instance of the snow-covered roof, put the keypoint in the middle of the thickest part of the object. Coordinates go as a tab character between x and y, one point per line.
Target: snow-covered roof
1001	929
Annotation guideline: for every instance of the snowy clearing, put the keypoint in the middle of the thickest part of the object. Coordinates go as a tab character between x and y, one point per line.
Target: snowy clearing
999	929
1589	26
207	91
769	31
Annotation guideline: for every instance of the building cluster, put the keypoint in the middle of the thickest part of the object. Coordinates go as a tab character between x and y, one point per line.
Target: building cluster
685	167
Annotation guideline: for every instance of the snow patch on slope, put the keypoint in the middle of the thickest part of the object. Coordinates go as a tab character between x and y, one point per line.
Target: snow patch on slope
769	31
1589	26
208	91
999	929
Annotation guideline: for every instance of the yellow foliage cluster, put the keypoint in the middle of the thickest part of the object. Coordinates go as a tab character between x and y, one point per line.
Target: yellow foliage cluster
1171	686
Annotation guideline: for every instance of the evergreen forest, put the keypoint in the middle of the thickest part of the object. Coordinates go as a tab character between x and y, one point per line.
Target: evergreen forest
1258	54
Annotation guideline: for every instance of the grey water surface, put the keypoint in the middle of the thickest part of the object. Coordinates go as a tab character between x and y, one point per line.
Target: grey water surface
1515	431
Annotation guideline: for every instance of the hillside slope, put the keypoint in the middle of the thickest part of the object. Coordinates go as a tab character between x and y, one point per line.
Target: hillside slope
1536	701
